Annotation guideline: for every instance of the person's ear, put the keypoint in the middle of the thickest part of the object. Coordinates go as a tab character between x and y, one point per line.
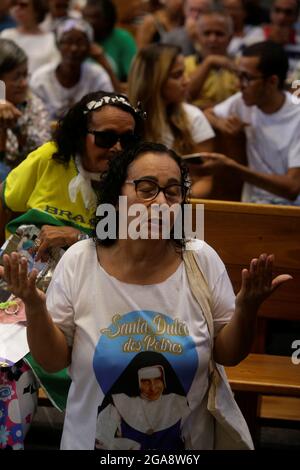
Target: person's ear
273	80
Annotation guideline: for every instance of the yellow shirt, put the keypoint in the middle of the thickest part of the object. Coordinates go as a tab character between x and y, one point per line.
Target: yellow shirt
38	188
218	86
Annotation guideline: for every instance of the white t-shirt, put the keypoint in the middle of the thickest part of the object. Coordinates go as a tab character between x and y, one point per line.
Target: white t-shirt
251	36
113	326
59	99
273	144
200	128
40	48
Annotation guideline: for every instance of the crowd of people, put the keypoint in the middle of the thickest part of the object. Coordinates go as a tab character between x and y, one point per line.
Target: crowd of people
102	101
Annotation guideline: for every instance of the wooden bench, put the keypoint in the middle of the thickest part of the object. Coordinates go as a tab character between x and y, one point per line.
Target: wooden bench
240	232
267	387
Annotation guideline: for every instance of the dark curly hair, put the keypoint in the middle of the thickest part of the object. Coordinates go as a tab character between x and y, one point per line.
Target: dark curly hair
113	179
71	131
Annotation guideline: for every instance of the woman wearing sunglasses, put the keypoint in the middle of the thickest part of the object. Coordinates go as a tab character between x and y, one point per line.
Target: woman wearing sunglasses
157	79
119	301
56	187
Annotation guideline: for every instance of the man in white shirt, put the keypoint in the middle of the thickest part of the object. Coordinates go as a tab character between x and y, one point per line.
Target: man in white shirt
270	118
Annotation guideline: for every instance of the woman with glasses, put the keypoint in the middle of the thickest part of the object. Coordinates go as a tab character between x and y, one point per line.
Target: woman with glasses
157	79
24	120
120	296
56	187
39	46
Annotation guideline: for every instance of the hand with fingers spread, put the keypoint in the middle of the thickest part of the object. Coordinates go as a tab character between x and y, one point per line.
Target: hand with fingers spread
19	281
234	341
258	283
52	236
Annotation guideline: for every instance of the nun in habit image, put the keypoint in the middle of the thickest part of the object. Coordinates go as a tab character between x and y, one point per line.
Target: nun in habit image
144	407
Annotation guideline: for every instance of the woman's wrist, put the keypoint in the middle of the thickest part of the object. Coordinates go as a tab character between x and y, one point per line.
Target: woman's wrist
35	306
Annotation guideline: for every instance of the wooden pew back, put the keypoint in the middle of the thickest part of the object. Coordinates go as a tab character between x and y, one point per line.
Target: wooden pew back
240	232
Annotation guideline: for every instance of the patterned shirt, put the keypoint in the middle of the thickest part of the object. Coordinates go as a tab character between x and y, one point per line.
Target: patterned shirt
32	130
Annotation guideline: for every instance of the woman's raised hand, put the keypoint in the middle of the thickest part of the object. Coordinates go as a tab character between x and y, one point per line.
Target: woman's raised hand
258	283
19	281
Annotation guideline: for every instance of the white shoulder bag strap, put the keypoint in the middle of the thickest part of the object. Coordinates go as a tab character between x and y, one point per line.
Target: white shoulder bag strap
231	430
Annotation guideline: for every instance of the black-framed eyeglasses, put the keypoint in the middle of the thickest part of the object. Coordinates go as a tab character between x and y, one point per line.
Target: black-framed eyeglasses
246	78
107	139
147	190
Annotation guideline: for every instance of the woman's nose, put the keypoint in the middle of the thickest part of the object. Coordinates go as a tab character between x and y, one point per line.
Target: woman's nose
161	198
116	147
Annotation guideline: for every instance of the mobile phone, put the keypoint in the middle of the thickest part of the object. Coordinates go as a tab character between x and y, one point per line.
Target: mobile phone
193	158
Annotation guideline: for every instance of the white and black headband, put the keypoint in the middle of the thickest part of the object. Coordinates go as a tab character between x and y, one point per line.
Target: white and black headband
114	101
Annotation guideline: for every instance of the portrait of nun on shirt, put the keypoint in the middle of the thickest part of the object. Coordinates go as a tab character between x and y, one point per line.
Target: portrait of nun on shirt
144	408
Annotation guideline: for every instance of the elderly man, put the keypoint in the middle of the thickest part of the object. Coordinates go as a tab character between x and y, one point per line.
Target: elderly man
212	79
271	120
186	36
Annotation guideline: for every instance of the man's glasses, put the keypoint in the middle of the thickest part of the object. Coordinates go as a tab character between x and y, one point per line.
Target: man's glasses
246	79
147	190
107	139
285	11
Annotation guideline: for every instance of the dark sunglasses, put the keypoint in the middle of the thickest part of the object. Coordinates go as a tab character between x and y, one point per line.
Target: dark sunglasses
107	139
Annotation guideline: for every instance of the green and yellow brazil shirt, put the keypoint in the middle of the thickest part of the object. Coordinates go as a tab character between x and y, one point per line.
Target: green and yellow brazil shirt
38	189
